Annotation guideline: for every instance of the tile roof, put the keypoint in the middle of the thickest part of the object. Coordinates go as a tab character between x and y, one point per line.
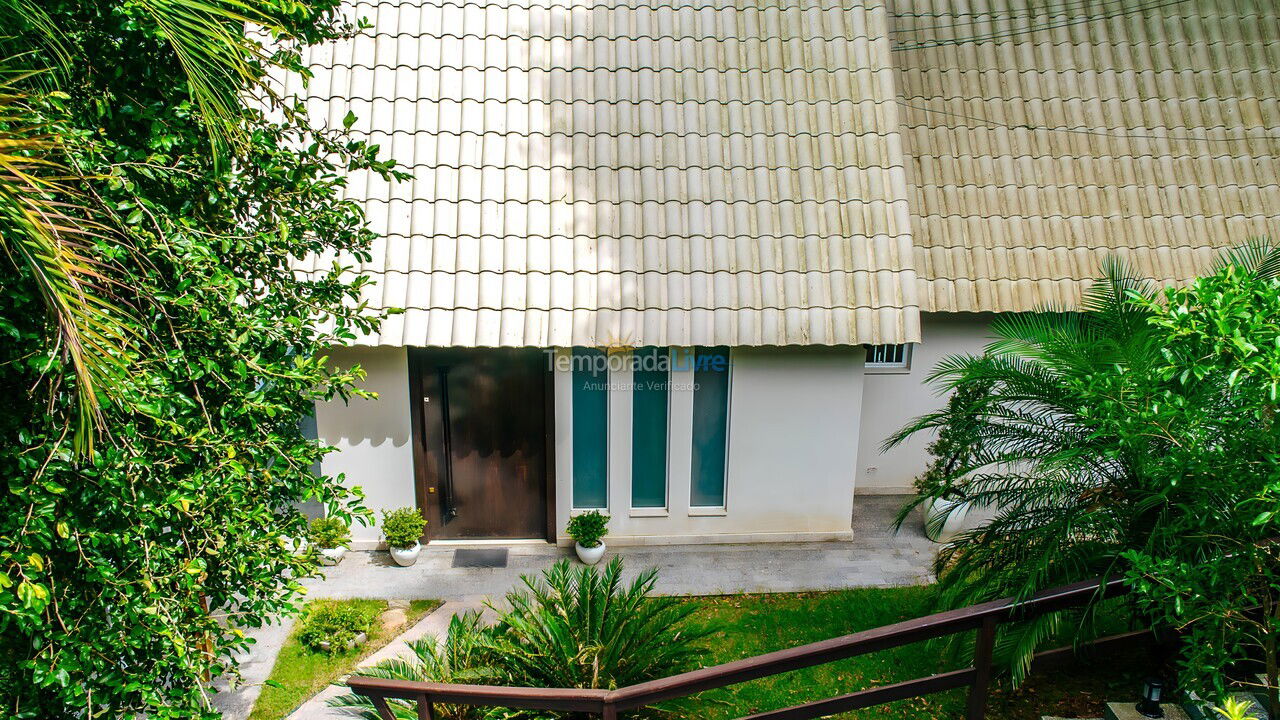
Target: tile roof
682	172
1042	136
703	172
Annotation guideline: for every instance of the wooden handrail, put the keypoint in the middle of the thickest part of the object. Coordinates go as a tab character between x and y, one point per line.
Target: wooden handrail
985	618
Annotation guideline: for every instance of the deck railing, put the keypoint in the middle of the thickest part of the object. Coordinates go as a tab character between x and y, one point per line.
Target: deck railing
984	619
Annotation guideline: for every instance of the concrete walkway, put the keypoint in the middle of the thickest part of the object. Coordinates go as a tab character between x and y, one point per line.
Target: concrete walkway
255	667
875	557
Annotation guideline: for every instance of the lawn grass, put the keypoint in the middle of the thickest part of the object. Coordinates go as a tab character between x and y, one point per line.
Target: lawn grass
755	624
299	673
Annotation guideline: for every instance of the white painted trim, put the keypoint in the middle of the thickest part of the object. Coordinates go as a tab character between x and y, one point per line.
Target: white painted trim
708	511
618	438
649	512
680	437
562	391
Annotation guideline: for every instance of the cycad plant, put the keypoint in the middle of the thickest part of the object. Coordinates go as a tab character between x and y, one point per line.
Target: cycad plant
578	627
1067	485
570	627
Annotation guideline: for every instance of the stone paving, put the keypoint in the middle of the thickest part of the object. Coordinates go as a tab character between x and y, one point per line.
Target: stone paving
875	557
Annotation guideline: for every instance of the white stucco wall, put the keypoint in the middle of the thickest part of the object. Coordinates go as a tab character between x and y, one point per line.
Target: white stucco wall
805	429
793	425
372	435
891	398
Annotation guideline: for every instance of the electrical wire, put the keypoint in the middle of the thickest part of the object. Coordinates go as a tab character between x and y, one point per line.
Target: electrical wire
1082	131
1024	31
1010	17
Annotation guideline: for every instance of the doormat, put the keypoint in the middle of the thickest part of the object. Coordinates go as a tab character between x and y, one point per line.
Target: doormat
486	558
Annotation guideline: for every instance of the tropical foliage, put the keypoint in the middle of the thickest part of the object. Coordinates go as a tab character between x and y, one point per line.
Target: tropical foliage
573	627
1064	490
1136	435
159	348
955	446
1210	565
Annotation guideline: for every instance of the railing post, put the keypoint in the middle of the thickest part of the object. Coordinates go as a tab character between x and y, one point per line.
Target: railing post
982	651
425	711
384	710
609	711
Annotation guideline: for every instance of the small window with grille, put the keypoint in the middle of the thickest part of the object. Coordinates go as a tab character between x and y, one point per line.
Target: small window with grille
888	357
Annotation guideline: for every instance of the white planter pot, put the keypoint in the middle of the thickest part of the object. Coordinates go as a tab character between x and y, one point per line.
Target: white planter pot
939	530
405	557
589	555
332	556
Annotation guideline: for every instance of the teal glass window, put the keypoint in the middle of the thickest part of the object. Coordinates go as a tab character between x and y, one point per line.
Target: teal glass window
710	426
650	403
590	370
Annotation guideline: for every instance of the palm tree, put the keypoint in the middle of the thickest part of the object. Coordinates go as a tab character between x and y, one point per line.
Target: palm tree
1057	445
1059	479
49	225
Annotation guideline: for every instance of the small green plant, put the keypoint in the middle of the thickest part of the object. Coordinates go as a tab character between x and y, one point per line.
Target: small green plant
329	625
403	527
1236	709
588	528
329	532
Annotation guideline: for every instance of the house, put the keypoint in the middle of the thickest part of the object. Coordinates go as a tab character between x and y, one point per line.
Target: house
690	261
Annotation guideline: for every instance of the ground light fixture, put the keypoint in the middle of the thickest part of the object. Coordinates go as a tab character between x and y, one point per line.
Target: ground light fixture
1152	689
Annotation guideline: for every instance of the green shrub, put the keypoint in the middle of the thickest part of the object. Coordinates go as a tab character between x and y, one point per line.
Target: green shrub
403	527
572	627
588	528
334	622
330	532
581	627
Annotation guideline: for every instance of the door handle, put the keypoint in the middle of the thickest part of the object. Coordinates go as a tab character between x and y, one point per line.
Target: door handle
431	490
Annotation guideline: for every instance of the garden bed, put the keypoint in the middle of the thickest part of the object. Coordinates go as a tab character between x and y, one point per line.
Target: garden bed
300	673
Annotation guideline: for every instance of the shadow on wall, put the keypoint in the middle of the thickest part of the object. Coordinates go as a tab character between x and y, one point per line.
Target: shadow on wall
371	423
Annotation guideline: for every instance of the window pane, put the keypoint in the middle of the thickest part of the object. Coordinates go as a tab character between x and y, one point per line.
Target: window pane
590	428
649	403
710	425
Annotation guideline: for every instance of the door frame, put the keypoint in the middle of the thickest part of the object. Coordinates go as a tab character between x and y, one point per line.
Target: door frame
418	362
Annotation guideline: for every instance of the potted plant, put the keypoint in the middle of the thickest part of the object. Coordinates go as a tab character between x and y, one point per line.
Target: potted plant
940	488
588	530
332	537
403	528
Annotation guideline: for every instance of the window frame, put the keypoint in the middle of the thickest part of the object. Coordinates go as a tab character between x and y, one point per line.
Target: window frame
721	509
889	368
608	405
665	508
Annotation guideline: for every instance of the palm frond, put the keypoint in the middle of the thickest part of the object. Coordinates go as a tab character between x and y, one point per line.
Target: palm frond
221	61
1258	256
48	229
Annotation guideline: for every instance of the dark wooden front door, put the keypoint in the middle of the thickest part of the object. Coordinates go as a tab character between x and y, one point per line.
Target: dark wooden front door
480	441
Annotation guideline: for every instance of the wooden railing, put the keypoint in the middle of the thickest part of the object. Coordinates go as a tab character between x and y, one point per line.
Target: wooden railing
984	618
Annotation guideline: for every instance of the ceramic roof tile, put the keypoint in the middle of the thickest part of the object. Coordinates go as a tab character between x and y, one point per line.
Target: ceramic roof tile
668	172
1042	137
